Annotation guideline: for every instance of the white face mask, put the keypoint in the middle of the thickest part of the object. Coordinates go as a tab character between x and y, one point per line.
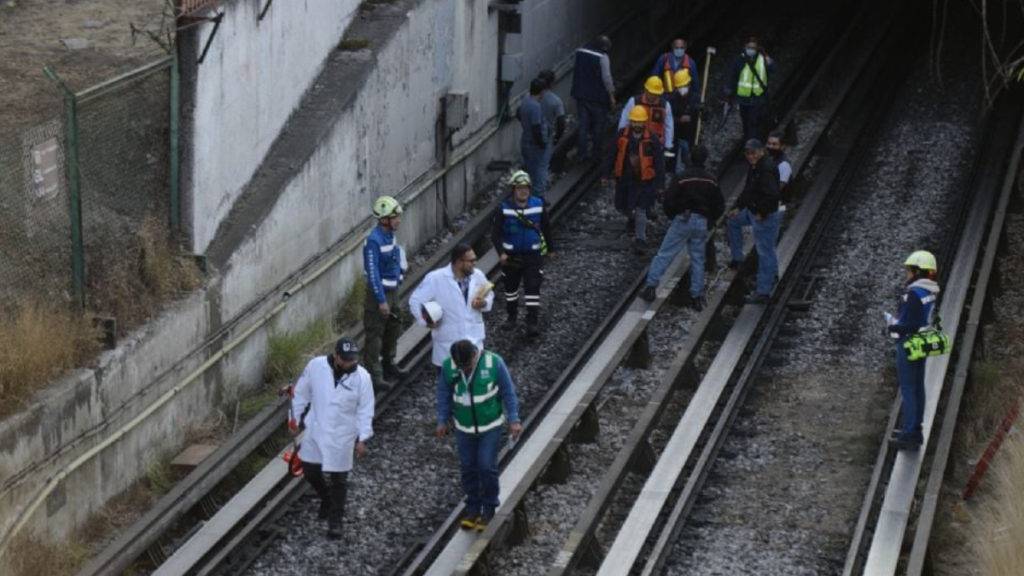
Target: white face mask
751	52
684	90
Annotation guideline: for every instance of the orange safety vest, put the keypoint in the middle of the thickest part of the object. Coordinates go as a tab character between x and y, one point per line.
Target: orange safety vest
667	71
655	115
646	157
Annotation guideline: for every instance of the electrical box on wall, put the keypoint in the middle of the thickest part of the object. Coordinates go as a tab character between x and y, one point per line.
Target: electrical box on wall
456	110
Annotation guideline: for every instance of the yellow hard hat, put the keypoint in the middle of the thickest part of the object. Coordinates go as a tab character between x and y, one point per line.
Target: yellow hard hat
681	78
654	85
386	207
922	259
638	114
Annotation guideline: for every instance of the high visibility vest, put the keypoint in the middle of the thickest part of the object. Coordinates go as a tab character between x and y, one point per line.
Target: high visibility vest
655	114
521	232
748	85
647	171
477	406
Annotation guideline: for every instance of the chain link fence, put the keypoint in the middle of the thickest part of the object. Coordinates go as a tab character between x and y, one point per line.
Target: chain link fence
35	224
87	200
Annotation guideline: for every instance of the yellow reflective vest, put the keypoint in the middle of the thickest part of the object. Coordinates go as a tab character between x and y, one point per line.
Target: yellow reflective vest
748	85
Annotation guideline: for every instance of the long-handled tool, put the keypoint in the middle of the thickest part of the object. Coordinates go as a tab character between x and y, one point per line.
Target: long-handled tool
703	92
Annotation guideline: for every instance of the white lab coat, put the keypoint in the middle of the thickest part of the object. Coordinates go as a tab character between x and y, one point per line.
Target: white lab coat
459	320
339	414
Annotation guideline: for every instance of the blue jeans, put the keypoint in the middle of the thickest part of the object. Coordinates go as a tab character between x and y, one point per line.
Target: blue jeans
593	118
766	235
682	156
535	160
911	378
478	456
691	233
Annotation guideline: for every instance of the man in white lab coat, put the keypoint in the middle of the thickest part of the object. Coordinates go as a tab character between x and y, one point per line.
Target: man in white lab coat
463	294
334	400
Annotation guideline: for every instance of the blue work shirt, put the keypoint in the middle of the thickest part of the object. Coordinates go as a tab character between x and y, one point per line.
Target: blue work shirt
532	114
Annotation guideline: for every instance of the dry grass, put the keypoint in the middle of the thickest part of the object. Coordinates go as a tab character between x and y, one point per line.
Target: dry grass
38	342
32	555
998	540
133	282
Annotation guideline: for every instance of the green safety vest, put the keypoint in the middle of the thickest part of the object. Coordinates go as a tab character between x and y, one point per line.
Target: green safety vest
748	85
477	406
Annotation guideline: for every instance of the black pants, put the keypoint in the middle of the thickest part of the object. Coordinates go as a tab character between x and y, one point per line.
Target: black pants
381	333
527	269
332	488
755	119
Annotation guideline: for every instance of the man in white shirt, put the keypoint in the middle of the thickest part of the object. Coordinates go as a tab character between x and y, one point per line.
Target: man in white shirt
463	294
334	400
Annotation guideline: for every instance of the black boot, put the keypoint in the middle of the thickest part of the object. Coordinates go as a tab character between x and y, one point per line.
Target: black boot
337	485
392	373
512	314
532	329
313	474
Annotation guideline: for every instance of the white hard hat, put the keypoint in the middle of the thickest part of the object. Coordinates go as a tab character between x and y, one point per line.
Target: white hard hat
432	310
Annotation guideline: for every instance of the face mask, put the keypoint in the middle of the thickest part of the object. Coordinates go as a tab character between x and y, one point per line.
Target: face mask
339	371
638	131
679	52
684	91
750	52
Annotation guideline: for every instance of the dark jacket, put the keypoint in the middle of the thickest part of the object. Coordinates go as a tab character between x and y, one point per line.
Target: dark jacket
688	105
761	191
588	79
696	190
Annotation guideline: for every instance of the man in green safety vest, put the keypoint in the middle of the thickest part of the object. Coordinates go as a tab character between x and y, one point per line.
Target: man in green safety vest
475	393
747	85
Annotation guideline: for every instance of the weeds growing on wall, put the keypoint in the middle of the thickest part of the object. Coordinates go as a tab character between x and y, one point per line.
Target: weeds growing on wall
999	538
38	342
286	352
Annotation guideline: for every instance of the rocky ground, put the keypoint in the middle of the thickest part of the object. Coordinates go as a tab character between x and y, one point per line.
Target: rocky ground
783	497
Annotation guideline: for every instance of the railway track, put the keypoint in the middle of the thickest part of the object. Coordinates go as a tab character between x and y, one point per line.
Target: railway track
896	518
539	462
649	540
232	533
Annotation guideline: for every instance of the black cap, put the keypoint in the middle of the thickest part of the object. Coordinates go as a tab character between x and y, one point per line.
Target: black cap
753	144
347	349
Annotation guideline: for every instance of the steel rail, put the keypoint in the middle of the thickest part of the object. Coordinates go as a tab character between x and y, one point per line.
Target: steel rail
801	237
145	534
995	172
580	539
203	543
940	459
462	554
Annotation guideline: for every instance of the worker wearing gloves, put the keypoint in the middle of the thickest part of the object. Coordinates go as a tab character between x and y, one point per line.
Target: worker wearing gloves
522	238
693	203
451	301
638	169
333	398
384	267
475	394
757	207
916	314
659	112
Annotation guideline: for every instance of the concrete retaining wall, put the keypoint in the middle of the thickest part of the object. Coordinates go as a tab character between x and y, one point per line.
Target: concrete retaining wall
251	80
